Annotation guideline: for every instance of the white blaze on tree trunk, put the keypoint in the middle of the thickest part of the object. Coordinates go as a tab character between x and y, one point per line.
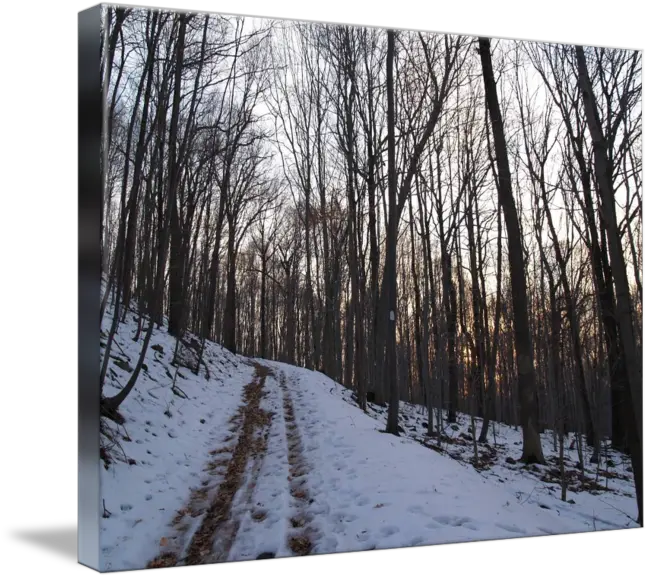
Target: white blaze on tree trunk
392	315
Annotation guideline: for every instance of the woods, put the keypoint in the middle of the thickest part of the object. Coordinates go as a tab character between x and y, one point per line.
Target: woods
450	221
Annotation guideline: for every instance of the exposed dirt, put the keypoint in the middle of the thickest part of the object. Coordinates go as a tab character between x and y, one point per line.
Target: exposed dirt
233	473
301	538
213	539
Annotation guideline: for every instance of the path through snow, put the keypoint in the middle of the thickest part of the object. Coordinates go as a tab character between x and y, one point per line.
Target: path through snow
270	460
258	505
372	490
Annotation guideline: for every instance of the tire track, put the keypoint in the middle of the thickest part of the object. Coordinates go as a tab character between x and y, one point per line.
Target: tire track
303	535
216	533
241	501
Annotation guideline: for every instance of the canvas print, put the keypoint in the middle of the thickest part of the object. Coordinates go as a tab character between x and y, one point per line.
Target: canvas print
362	288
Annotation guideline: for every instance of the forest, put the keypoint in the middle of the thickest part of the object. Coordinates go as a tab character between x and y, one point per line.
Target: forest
449	221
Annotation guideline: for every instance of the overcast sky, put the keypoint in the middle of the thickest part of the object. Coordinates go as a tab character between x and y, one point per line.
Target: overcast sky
536	89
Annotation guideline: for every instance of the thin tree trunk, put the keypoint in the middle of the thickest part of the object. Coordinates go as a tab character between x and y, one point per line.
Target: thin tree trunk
603	173
111	405
389	294
532	449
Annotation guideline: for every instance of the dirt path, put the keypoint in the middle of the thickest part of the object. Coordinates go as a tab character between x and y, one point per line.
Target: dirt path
302	535
206	530
216	532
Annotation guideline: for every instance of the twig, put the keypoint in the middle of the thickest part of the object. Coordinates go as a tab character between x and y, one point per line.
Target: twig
605	445
125	456
112	436
179	392
106	512
138	401
619	510
122	350
126	431
206	368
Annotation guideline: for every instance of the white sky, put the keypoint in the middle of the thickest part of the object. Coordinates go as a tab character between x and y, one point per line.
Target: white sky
535	86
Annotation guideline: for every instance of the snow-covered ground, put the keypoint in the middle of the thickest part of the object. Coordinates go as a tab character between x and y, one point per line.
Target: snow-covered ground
164	442
315	474
606	501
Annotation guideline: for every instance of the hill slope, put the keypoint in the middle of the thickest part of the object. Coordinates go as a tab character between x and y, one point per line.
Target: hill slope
259	459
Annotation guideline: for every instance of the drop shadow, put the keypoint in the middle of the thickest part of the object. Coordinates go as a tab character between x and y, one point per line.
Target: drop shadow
59	540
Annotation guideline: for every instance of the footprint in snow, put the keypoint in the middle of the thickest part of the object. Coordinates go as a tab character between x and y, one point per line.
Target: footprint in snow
388	531
454	521
363	501
417	510
363	536
329	544
343	517
511	528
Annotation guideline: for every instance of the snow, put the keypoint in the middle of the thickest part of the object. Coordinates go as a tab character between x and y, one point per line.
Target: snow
375	490
358	488
169	452
272	494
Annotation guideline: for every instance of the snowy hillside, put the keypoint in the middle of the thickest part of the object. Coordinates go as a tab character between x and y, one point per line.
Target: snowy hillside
256	459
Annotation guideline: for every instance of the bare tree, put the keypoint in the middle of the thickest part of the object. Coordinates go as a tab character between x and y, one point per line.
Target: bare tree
111	405
532	450
603	171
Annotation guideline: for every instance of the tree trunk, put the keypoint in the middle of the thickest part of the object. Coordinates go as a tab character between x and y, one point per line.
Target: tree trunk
229	326
532	449
490	396
111	405
420	350
478	329
214	270
389	294
603	171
